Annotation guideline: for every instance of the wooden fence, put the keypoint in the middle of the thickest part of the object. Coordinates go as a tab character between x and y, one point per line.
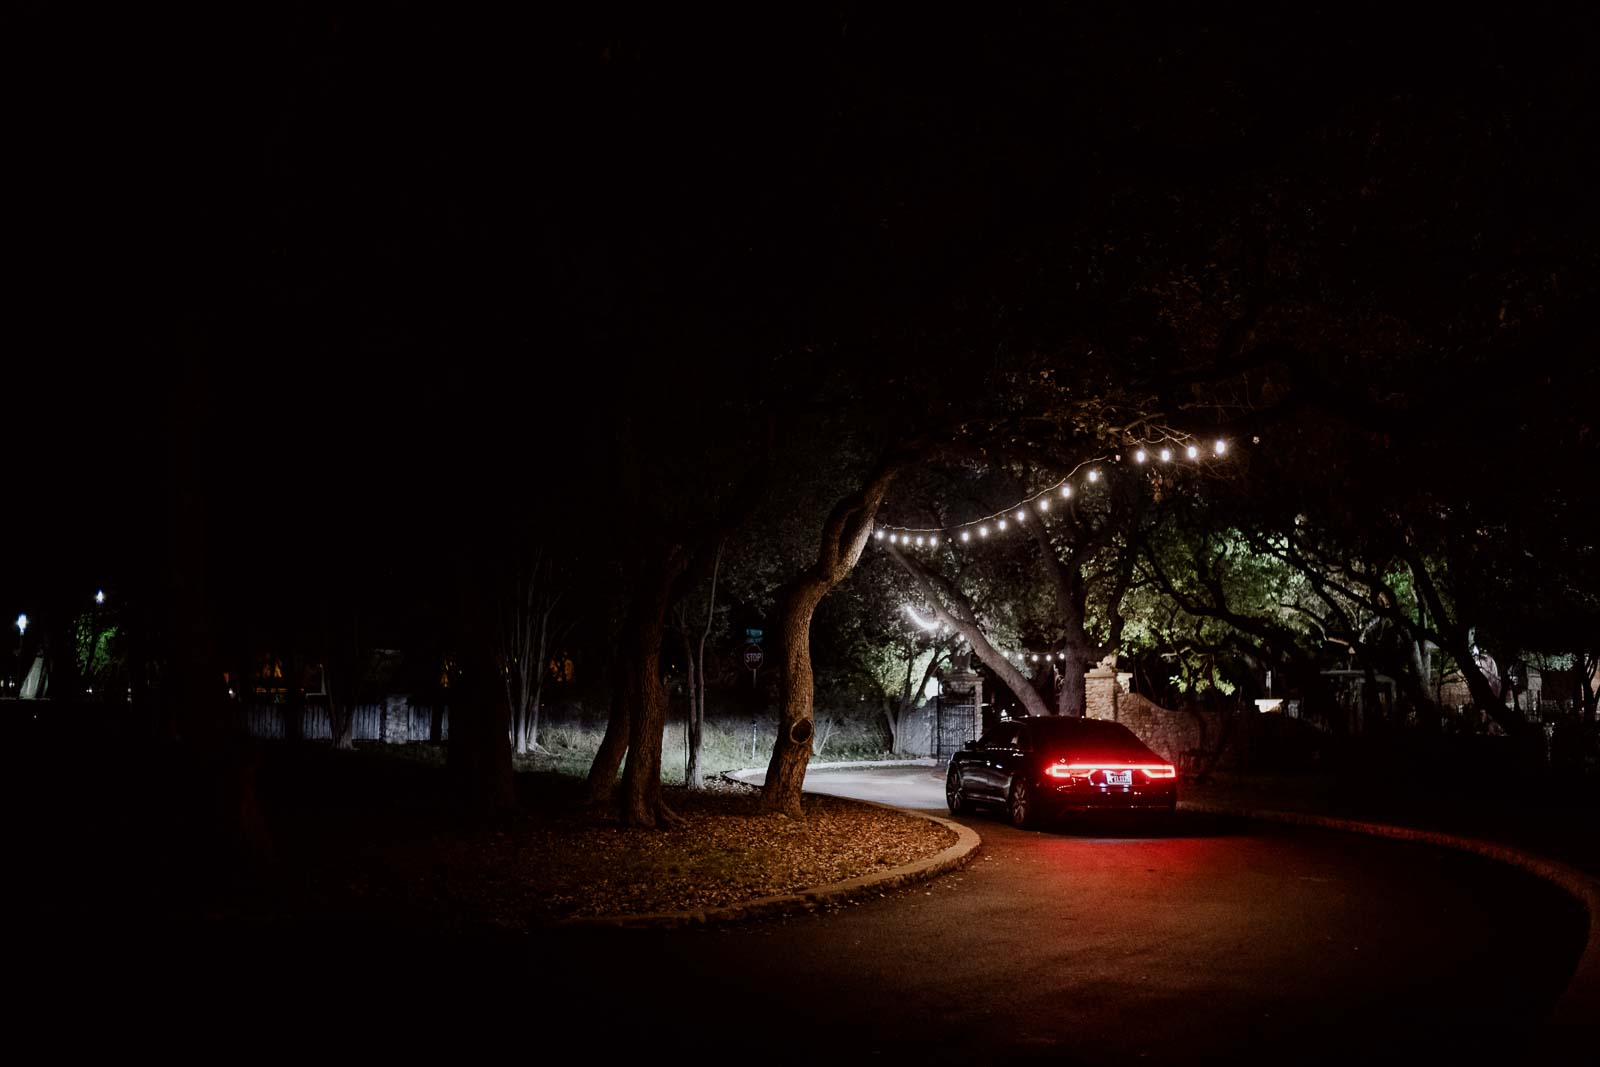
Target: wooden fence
395	721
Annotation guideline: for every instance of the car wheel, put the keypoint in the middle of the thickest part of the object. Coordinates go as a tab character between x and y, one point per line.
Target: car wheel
952	792
1019	804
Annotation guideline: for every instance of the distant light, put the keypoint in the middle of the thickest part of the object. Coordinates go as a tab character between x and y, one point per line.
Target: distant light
1066	490
1094	476
1001	524
983	531
1036	657
1221	446
880	535
1193	452
100	597
1022	516
933	542
1138	457
1166	455
919	539
22	624
966	535
1044	502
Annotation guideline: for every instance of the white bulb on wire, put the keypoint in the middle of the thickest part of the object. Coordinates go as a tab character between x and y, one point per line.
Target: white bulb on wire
880	535
983	531
1044	504
1002	524
1066	490
966	535
1138	457
933	542
919	539
1036	657
1166	455
1022	516
1193	452
1222	446
1094	476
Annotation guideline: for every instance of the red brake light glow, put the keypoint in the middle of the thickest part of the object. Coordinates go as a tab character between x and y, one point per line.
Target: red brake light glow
1081	770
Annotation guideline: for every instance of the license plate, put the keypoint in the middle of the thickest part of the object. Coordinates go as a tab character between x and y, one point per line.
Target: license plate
1119	778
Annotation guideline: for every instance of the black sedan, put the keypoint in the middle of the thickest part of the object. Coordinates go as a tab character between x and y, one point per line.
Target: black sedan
1042	767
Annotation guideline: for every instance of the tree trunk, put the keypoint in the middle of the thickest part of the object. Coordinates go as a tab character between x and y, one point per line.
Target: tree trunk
639	707
1588	692
608	759
231	831
479	758
791	752
844	536
341	721
294	700
693	776
642	802
691	757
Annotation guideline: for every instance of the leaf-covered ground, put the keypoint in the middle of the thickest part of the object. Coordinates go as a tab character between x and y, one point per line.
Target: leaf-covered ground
400	863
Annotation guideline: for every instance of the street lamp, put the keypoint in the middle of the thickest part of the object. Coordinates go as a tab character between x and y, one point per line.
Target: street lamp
100	596
22	624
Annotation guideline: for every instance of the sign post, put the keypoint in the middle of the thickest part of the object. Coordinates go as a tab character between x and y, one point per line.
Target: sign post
752	660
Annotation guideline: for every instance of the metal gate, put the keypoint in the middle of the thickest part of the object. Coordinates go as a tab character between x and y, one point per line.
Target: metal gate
953	726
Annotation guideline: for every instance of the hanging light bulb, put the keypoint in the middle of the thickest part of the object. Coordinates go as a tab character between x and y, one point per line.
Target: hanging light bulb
1036	657
1044	503
1193	452
1066	490
1022	516
1166	455
1094	476
983	531
919	539
1138	457
1002	524
880	535
933	542
1221	446
966	535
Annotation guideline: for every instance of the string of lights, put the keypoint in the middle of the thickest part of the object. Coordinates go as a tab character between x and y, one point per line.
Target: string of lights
998	522
935	627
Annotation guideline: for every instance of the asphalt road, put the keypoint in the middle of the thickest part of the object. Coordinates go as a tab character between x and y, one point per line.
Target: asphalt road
1217	940
1098	945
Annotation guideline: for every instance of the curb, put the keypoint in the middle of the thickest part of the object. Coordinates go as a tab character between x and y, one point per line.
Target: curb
816	898
1579	1004
926	761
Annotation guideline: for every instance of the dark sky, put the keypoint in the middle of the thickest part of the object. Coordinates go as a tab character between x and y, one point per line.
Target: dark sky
408	247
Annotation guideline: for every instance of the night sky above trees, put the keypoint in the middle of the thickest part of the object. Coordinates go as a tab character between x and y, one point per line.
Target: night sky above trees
386	289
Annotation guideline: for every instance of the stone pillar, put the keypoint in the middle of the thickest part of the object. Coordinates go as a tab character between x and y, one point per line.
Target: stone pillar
1100	690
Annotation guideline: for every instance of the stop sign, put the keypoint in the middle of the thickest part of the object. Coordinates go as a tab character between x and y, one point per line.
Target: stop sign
752	657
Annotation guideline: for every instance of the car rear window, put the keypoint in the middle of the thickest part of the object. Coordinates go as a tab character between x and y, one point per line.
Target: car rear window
1104	740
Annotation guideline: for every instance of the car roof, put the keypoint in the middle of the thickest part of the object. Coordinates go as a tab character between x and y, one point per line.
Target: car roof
1088	730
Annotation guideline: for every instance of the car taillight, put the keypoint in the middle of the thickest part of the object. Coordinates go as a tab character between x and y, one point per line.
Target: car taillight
1083	770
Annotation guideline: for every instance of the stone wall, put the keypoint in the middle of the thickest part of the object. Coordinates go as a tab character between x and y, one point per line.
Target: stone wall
1176	736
